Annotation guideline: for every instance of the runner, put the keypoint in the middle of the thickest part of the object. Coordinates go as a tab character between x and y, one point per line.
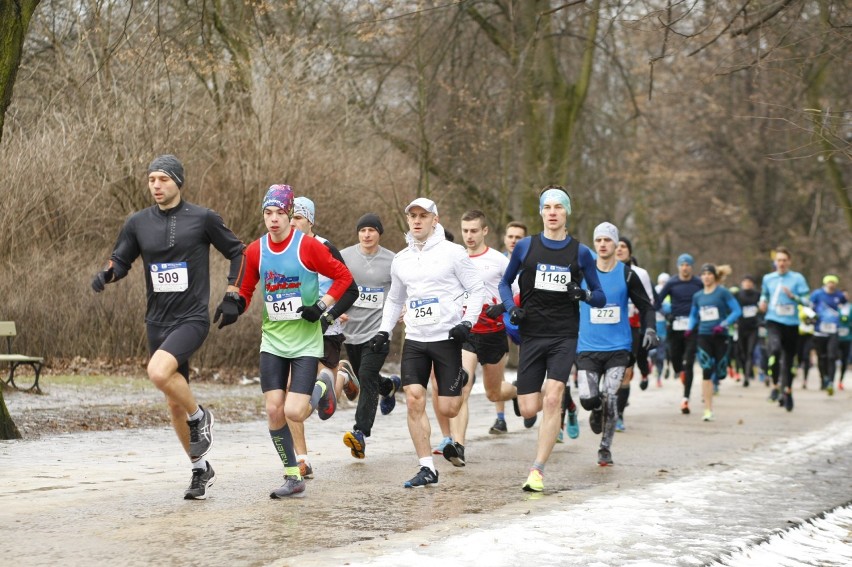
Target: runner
681	347
844	334
826	302
747	327
428	277
174	237
780	294
714	309
370	264
660	355
549	267
605	345
288	264
303	219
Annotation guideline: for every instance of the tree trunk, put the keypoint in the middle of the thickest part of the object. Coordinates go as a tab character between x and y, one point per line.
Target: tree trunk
14	22
8	429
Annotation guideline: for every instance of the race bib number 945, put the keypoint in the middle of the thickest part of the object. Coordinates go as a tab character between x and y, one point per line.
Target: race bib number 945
552	278
169	277
370	297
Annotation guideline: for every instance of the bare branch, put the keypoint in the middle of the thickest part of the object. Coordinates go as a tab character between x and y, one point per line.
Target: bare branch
769	15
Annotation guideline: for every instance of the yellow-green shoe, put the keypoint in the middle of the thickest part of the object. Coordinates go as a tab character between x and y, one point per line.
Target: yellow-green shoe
535	482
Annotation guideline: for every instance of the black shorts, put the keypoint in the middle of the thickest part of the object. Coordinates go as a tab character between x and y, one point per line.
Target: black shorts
181	341
418	358
489	348
275	371
600	362
331	344
544	356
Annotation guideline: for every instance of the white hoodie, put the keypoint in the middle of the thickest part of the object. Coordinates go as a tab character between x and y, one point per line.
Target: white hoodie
429	284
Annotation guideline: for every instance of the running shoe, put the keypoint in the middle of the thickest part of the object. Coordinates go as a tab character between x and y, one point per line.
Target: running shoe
439	448
840	386
351	386
659	382
454	452
708	415
423	477
305	469
596	420
202	479
830	389
559	438
774	394
684	407
293	487
356	443
388	402
535	481
328	402
530	421
788	400
619	424
643	383
200	435
573	426
604	457
499	427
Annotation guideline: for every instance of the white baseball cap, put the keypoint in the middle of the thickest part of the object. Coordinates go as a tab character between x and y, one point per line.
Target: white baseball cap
424	203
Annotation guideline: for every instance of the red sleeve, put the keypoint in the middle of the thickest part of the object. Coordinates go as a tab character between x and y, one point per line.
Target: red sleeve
316	256
252	275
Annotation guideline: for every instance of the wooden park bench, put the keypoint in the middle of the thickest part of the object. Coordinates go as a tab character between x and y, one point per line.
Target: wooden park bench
7	329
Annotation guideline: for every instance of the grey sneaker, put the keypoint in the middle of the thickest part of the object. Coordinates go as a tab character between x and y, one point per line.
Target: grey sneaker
604	458
200	435
351	387
201	480
328	403
293	487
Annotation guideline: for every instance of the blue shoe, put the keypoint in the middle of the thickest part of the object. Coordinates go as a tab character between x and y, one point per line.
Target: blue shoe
356	443
439	448
619	424
388	402
573	427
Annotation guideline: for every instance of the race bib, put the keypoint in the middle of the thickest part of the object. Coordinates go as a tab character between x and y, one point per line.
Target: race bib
370	297
552	278
749	311
283	306
169	277
785	309
609	315
709	313
680	324
425	311
828	328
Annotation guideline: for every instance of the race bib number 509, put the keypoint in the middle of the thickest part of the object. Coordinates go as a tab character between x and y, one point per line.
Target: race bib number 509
169	277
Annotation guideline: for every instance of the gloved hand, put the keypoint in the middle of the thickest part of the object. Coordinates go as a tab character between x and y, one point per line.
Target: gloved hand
495	311
379	341
233	305
101	279
461	332
650	340
719	330
313	312
516	315
327	320
576	293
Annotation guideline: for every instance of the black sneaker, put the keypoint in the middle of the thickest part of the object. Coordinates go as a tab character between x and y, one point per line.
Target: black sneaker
530	421
596	421
499	427
455	454
388	402
604	458
423	477
201	480
200	435
788	400
643	383
774	395
515	405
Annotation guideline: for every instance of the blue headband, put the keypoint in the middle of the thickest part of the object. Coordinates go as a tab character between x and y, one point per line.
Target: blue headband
557	195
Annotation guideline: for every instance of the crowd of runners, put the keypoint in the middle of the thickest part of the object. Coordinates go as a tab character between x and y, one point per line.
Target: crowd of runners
573	315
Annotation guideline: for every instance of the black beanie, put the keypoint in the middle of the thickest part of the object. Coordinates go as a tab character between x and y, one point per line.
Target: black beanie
371	220
627	243
170	165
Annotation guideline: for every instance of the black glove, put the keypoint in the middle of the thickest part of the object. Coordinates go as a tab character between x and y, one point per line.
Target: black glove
233	305
576	293
461	332
101	279
379	341
327	320
495	311
650	340
313	312
516	315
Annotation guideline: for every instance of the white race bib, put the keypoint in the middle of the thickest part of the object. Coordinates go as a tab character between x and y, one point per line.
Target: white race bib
709	313
425	311
552	278
828	328
169	277
749	311
370	297
680	324
608	315
785	309
283	306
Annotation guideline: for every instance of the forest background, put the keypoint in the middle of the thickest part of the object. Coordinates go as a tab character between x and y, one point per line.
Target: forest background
719	128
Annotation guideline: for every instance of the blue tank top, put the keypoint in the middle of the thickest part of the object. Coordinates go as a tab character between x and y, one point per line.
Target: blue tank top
607	328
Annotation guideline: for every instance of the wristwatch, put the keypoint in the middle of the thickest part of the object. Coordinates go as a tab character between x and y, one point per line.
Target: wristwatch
321	304
328	317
